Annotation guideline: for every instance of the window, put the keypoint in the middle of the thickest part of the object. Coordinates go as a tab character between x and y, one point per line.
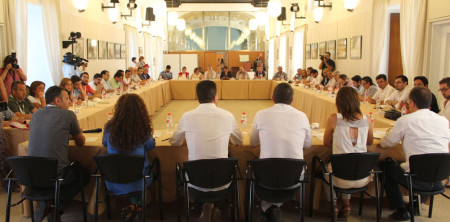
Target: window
297	57
282	55
37	62
271	58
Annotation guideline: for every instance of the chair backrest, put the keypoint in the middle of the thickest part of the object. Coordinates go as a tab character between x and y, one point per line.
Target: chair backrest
34	171
210	173
120	168
432	167
277	173
353	166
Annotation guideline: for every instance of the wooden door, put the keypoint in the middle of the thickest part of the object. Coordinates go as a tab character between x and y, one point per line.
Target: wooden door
395	66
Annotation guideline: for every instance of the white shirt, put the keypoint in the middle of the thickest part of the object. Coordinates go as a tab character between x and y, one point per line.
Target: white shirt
342	141
445	111
331	83
127	81
93	86
210	75
420	132
196	76
383	93
400	95
33	99
316	81
106	85
282	131
69	70
207	130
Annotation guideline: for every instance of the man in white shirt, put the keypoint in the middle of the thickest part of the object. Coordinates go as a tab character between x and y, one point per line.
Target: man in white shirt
283	132
421	131
444	88
384	89
242	74
210	74
356	81
208	129
105	78
399	97
315	79
96	83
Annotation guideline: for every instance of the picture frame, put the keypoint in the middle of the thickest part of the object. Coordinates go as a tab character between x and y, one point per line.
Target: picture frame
123	51
92	48
314	52
141	51
322	48
110	53
355	47
78	48
342	48
331	48
308	51
117	50
102	50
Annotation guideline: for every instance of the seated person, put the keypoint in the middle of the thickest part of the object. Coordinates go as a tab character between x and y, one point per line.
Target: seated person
91	93
96	84
78	93
369	89
400	96
225	74
356	80
145	75
197	75
280	75
444	86
314	80
117	81
131	115
345	81
210	74
260	74
183	74
384	90
18	103
67	84
7	114
331	79
298	76
127	78
105	81
167	74
242	74
337	84
326	74
423	82
348	131
36	96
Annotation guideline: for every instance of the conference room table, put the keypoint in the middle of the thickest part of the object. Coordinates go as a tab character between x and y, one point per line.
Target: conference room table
170	155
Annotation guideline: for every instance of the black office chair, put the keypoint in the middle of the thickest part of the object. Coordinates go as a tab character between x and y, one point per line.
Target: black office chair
275	180
38	174
125	168
432	168
208	173
348	166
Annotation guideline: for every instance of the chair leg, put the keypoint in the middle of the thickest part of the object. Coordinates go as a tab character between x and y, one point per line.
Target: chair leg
430	211
161	210
57	200
250	203
178	189
96	199
31	210
186	201
83	202
108	205
238	202
8	201
302	201
377	196
331	198
311	189
361	199
411	198
144	199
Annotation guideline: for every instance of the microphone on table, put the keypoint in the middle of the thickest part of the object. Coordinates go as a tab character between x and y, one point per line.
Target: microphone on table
98	130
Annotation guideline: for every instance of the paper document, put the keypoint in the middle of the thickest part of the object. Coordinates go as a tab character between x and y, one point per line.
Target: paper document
378	134
91	139
156	134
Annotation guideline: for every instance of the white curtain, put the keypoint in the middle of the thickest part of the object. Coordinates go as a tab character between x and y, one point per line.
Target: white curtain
15	12
148	48
10	31
297	50
131	41
379	26
52	37
412	35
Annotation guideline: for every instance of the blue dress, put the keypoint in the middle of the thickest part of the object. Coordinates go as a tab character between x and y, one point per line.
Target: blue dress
120	189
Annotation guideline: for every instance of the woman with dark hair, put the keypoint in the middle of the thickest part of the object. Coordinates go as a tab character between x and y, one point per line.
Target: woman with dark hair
11	72
348	131
129	131
369	89
36	96
197	75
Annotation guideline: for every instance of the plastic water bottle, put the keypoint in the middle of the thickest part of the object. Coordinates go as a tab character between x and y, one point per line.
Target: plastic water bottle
169	123
244	122
109	116
403	110
378	105
372	120
103	94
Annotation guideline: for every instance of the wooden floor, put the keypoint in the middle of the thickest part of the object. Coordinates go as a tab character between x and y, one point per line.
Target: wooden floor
441	211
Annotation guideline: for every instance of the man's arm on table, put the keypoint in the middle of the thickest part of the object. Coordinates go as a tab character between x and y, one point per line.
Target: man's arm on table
308	138
393	136
236	134
79	139
178	137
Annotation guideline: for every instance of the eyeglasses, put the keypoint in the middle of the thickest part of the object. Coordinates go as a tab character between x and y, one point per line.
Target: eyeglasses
398	82
443	89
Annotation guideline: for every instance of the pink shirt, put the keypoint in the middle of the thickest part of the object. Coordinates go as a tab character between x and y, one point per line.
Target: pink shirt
10	78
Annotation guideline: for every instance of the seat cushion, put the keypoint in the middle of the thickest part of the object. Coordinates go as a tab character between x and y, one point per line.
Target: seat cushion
38	194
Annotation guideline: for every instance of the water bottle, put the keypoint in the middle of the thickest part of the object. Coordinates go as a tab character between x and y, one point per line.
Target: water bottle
404	110
109	116
372	120
169	122
378	105
244	122
103	94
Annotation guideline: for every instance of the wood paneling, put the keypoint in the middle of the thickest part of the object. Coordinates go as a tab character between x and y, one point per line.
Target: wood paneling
395	66
233	57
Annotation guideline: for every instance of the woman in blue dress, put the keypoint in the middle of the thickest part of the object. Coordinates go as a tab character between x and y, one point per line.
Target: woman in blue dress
129	131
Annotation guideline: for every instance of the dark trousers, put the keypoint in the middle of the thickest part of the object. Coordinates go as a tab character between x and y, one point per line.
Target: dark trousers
394	175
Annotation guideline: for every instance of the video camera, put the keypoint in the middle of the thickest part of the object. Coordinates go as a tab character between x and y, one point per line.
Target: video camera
322	57
11	59
74	60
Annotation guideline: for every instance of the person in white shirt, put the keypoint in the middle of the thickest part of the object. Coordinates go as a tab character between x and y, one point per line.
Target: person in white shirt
444	88
36	96
399	97
275	129
127	77
96	84
384	90
197	75
369	89
421	131
356	81
205	140
242	74
210	74
105	78
332	80
315	79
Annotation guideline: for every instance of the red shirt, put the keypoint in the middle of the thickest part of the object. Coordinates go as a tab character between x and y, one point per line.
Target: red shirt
181	74
88	89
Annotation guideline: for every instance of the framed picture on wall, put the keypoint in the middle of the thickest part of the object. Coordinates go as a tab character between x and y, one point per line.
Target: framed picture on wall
355	47
314	52
342	48
102	50
110	50
322	48
308	51
123	51
141	51
331	47
117	50
78	48
92	49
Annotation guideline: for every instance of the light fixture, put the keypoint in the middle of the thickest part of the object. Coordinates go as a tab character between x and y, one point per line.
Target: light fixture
295	8
80	5
160	8
321	3
318	13
111	6
113	15
187	31
149	16
172	18
131	5
350	5
181	24
261	18
274	8
252	24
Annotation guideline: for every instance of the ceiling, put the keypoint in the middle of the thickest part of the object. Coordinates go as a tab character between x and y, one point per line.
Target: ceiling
177	3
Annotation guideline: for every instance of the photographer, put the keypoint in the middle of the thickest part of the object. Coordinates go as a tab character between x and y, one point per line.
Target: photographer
11	72
326	63
70	66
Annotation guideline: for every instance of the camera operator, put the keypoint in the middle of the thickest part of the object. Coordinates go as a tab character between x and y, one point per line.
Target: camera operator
11	72
69	69
326	63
